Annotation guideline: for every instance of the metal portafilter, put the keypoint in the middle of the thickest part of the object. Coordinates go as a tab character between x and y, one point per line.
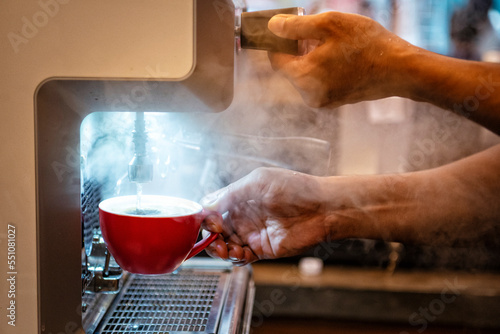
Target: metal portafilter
140	168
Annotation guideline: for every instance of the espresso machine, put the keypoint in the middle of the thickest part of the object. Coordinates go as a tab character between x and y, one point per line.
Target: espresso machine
96	98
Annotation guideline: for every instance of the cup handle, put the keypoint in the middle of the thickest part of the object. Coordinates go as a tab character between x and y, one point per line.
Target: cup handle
202	244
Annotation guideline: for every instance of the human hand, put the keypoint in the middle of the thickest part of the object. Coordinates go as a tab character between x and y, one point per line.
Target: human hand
350	64
268	214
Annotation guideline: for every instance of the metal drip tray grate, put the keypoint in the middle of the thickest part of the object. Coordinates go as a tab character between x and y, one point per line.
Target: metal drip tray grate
177	303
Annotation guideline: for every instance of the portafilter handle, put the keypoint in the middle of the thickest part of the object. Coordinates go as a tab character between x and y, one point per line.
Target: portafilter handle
254	33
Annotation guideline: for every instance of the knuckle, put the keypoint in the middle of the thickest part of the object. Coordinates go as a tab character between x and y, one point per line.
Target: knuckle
328	20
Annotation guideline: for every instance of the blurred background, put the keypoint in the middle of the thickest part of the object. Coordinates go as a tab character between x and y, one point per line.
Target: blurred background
374	281
392	135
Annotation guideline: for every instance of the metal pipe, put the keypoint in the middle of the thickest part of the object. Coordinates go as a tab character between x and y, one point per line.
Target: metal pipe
140	168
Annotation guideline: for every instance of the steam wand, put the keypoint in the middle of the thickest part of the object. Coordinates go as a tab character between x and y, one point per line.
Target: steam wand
140	168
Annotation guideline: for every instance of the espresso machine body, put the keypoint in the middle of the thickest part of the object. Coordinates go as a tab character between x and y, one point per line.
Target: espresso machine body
62	62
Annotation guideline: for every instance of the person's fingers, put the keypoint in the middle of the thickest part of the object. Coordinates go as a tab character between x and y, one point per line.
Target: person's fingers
241	255
296	27
221	249
212	223
249	256
224	226
223	199
293	27
218	248
236	252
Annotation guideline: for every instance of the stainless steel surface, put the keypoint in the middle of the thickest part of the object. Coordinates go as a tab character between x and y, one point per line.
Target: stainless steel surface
94	307
238	303
140	168
105	274
250	299
204	296
184	302
100	272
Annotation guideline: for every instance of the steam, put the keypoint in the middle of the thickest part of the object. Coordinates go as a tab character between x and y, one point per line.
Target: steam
268	124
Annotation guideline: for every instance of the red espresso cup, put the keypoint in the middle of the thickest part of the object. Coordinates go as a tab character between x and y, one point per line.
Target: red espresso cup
156	239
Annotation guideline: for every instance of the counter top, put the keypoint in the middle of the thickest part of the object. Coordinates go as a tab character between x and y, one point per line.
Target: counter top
480	284
369	298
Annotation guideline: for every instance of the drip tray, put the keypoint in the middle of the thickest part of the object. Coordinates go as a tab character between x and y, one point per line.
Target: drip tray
191	300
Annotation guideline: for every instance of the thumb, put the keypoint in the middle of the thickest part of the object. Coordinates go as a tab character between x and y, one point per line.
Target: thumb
295	27
210	201
246	188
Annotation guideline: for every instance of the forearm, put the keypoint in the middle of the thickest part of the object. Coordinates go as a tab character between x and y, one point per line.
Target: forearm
452	204
468	88
358	60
